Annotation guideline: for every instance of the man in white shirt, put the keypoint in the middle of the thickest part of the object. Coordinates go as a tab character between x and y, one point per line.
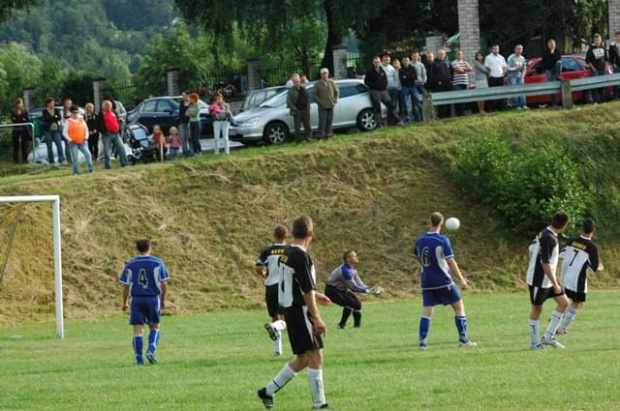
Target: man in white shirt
496	63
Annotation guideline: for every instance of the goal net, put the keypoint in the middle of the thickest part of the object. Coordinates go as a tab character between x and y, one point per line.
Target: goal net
24	239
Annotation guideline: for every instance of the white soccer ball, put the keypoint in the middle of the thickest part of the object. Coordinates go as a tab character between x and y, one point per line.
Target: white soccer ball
452	224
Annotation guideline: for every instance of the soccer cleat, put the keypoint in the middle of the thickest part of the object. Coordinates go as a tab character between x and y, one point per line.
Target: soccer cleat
266	399
422	345
341	326
537	346
151	357
322	407
273	333
552	342
467	344
139	360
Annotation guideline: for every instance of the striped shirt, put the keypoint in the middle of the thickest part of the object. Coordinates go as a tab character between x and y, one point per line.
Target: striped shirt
460	78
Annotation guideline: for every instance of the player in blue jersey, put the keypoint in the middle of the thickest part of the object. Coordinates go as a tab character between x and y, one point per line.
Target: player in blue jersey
434	252
145	278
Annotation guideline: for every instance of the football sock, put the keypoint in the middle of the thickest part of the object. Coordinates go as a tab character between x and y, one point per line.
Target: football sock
279	325
461	327
357	318
277	344
534	332
137	345
153	340
568	318
315	379
346	313
554	322
425	325
284	376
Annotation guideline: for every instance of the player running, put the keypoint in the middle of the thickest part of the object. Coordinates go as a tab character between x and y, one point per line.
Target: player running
434	252
580	257
267	266
146	278
298	298
543	283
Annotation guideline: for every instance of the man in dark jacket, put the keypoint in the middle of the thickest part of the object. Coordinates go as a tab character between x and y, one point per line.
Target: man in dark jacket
441	70
376	79
408	77
614	58
552	65
596	57
298	103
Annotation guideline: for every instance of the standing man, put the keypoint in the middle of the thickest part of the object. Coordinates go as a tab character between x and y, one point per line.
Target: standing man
376	79
460	78
408	76
299	105
434	252
299	300
431	81
393	85
110	127
496	63
596	57
516	70
75	132
341	287
420	81
614	58
184	124
580	257
267	266
326	95
145	278
552	65
543	283
442	73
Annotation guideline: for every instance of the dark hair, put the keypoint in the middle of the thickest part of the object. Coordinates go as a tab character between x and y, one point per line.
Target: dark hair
67	99
280	232
588	226
559	220
617	33
345	255
143	245
74	108
49	100
212	99
436	219
302	226
185	92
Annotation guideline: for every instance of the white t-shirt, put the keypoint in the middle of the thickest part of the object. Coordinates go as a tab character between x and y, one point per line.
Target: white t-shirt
496	63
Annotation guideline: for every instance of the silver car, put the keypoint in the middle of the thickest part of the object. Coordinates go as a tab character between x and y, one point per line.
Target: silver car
272	123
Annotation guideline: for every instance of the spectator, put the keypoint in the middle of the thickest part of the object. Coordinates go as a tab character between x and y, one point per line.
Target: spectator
183	122
516	70
75	132
614	58
596	57
298	102
399	87
376	79
21	134
66	113
482	76
431	81
161	144
51	131
442	73
392	83
407	75
460	78
552	65
326	95
193	113
92	122
420	81
118	108
110	127
220	112
174	140
496	63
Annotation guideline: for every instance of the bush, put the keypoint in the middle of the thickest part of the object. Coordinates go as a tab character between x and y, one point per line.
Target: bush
524	189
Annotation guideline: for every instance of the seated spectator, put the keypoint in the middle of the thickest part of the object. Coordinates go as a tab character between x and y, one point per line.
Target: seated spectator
160	143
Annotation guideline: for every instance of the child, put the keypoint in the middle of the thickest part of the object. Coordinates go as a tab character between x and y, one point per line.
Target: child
175	142
160	139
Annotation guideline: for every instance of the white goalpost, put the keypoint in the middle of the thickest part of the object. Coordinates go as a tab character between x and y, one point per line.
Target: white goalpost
55	200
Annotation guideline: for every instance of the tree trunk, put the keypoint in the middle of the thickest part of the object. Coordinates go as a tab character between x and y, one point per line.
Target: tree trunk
334	35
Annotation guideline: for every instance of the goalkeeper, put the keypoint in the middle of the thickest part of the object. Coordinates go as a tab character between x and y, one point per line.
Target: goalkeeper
341	287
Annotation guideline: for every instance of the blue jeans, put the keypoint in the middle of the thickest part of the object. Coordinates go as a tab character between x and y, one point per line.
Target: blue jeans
108	140
194	132
185	139
74	156
519	101
598	94
410	97
53	137
418	104
554	75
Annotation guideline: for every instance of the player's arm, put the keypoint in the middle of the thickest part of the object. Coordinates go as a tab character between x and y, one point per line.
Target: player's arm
546	250
456	272
351	279
260	269
164	292
125	297
311	302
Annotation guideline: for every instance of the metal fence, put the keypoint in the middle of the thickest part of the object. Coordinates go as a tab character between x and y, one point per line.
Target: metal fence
131	93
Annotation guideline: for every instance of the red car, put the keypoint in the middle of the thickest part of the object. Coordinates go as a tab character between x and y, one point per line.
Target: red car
573	67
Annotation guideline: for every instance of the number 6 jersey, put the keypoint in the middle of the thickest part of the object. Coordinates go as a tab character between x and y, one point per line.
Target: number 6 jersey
578	256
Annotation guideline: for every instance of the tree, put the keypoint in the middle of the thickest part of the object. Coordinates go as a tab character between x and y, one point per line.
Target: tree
8	6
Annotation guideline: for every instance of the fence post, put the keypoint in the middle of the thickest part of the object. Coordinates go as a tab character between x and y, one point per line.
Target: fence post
29	93
567	94
98	89
340	62
254	80
428	110
172	80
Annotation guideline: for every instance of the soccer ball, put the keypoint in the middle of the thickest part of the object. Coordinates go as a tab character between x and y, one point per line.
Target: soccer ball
452	224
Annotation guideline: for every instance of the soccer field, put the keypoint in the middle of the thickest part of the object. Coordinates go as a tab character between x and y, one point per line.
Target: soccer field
218	361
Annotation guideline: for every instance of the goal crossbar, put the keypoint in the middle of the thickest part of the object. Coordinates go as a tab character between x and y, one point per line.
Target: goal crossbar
55	200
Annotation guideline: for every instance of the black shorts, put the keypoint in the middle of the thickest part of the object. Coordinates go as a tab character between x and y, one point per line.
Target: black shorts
343	298
271	298
539	295
575	296
301	330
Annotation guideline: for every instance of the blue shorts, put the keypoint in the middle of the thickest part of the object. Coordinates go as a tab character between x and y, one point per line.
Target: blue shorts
145	310
446	296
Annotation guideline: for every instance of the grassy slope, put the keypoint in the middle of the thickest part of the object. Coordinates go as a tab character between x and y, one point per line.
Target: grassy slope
217	362
210	216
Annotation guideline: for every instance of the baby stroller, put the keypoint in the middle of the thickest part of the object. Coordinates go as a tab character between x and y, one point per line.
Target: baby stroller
142	148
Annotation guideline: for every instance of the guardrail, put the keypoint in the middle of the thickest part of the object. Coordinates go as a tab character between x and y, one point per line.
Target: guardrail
565	87
31	125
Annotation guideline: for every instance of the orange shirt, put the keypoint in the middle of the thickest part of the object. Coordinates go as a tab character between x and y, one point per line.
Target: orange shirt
77	130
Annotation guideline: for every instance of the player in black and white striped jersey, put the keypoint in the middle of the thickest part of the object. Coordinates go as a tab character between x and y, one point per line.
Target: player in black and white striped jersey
580	257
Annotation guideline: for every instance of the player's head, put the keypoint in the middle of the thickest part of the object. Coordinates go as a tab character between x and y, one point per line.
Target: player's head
350	257
143	245
280	233
559	221
588	226
436	220
303	228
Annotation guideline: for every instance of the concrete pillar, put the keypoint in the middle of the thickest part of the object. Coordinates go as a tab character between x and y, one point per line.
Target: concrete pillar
254	80
434	43
99	85
340	62
469	27
29	94
172	80
614	17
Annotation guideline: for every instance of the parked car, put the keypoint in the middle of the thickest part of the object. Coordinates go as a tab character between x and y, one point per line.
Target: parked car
36	115
164	111
255	97
272	123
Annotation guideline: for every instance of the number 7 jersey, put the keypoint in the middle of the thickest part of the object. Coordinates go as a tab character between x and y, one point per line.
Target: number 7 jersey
580	255
144	275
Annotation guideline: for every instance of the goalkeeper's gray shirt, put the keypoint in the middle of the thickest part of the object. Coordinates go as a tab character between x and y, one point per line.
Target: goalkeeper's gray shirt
345	276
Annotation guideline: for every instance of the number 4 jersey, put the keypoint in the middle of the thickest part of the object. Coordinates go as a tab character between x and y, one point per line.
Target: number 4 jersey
579	256
144	275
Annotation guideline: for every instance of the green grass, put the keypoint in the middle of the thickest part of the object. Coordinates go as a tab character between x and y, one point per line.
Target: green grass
216	361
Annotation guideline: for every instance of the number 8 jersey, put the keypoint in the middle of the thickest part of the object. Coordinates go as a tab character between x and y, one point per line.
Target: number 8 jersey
144	274
578	256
